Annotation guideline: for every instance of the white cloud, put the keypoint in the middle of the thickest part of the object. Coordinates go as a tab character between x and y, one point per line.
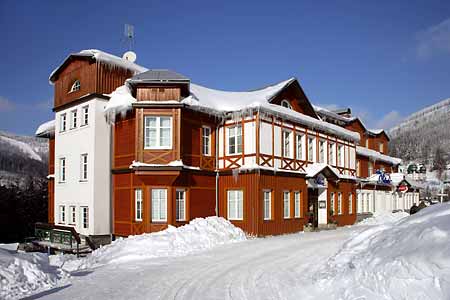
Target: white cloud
6	105
389	120
434	40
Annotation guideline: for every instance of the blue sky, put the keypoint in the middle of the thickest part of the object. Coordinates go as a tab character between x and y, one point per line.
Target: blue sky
385	59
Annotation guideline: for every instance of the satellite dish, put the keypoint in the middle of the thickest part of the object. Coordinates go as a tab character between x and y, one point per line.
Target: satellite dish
130	56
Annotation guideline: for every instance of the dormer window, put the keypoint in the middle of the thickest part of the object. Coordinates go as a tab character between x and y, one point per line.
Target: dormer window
75	86
286	104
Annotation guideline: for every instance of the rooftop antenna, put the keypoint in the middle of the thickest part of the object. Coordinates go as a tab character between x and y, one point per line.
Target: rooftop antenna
129	38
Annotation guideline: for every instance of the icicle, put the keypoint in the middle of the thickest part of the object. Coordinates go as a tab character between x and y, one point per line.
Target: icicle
235	173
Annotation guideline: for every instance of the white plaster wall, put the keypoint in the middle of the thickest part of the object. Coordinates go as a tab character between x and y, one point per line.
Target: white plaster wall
277	140
95	192
221	141
249	138
265	138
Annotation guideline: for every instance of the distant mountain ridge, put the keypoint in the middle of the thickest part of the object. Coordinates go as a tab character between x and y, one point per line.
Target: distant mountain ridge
22	158
417	137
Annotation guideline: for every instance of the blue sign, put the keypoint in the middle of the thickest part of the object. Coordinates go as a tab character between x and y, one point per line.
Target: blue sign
319	180
383	177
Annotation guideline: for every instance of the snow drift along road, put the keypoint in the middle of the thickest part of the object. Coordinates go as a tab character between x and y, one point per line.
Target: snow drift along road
199	234
25	273
408	259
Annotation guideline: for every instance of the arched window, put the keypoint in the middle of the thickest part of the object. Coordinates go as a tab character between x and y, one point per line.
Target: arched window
286	104
75	86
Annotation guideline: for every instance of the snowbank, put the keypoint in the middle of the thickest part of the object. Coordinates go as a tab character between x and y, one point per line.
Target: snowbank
200	234
408	259
383	218
22	274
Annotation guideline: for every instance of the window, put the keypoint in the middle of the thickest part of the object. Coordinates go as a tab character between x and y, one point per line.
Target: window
350	203
62	170
267	195
159	205
287	143
311	147
75	86
340	153
286	205
62	214
331	154
85	115
285	103
368	203
235	140
297	206
367	143
158	132
62	122
358	203
381	147
340	203
321	151
180	199
138	204
358	170
299	140
206	140
85	216
370	168
73	119
84	167
73	215
235	204
332	210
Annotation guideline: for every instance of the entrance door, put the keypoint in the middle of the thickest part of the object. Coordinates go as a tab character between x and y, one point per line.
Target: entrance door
313	208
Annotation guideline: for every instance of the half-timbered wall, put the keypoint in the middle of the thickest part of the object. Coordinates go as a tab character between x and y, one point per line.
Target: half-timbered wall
262	145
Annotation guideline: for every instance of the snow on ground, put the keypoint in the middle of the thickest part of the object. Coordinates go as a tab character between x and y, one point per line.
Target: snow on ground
383	217
388	257
407	259
24	273
199	234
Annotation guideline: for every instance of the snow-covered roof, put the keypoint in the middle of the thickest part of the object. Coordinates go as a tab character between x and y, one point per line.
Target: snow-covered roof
103	57
159	75
377	156
232	101
331	114
376	131
120	102
46	129
397	178
313	169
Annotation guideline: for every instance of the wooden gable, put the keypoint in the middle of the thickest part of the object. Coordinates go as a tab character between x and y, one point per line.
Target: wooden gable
297	98
357	126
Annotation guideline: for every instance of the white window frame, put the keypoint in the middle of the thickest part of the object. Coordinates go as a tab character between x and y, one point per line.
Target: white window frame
180	204
286	205
234	136
158	130
300	144
358	168
73	214
63	122
267	204
85	115
332	202
138	205
381	147
369	169
84	216
285	103
73	119
350	203
339	203
76	85
287	143
62	214
62	170
206	140
322	153
311	148
159	205
297	204
332	154
340	155
367	143
235	205
84	167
